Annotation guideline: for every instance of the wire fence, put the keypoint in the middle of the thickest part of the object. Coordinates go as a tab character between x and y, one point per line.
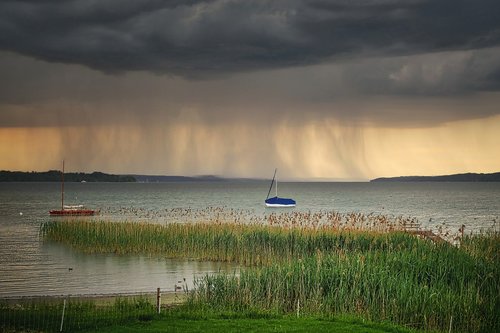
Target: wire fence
78	313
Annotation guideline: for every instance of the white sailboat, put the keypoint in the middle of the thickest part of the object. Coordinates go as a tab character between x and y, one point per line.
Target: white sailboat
277	201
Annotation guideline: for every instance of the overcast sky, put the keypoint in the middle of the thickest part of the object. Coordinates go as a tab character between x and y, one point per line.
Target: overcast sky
320	89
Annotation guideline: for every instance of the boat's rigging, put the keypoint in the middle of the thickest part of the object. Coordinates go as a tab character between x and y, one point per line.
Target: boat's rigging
271	187
277	201
68	210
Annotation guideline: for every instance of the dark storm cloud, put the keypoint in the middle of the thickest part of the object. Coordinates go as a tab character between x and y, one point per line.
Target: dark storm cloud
432	74
200	38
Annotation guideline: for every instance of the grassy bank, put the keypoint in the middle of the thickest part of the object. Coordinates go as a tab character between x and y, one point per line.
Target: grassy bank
182	320
52	314
390	276
138	314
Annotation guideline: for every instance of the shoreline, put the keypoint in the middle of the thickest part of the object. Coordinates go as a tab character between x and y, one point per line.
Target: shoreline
168	298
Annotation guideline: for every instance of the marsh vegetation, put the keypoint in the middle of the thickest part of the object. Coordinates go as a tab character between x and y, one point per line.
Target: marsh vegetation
320	264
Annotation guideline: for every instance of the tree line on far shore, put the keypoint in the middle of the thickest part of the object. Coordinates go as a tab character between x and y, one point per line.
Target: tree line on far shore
55	176
463	177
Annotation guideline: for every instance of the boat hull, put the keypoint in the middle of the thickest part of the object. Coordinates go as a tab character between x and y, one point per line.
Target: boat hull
279	205
280	202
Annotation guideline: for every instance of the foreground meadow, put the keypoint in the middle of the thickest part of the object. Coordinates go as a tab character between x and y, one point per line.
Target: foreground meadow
178	321
139	314
311	271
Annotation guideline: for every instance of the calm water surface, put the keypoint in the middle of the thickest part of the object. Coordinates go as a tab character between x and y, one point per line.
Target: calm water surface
30	266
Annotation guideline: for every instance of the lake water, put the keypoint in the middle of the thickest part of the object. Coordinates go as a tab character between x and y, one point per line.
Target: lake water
30	266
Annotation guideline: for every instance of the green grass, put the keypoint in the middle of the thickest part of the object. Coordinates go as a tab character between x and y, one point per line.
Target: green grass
45	315
250	325
391	276
178	322
139	315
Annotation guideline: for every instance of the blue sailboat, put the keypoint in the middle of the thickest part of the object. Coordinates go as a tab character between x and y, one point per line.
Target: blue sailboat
277	201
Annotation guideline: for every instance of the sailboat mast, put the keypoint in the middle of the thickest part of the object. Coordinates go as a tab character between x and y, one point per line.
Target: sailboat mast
271	187
276	184
62	187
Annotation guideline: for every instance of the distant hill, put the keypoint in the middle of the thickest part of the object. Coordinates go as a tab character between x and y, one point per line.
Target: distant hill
206	178
55	176
164	179
462	177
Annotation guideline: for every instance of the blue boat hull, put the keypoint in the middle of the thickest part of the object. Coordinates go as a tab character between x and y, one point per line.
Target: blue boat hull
280	202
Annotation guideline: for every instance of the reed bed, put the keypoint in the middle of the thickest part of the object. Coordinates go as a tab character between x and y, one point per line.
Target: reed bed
245	244
377	272
421	285
285	219
289	219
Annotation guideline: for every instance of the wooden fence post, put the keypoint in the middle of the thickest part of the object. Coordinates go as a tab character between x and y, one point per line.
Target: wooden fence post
62	317
158	300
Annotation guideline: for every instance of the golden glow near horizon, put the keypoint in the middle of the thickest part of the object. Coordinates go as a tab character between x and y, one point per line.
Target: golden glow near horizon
456	147
327	150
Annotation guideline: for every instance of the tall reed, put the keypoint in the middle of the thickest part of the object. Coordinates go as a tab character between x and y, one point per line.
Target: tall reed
423	286
241	243
381	276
